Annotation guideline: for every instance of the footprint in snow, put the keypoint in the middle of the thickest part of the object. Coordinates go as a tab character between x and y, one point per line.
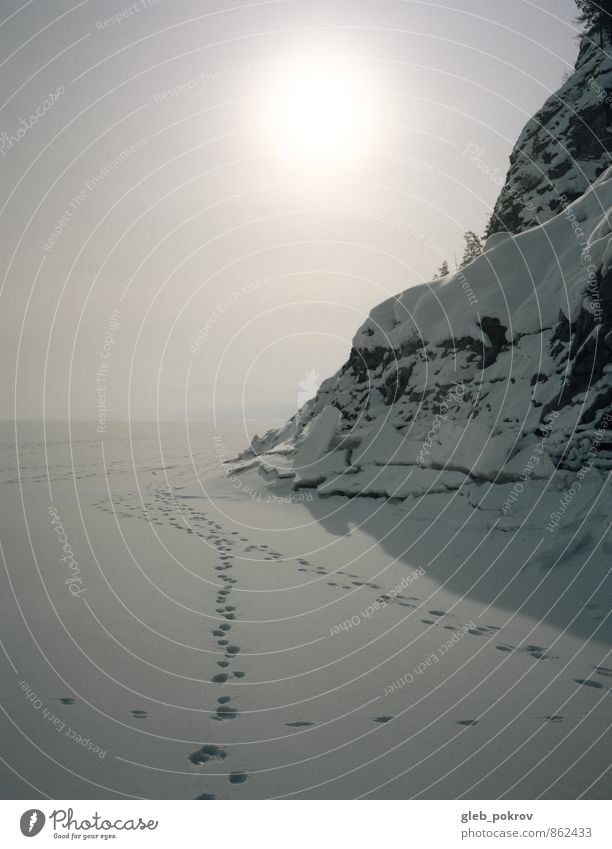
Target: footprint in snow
538	652
554	718
383	718
139	714
206	796
589	683
237	777
467	722
225	712
207	752
298	724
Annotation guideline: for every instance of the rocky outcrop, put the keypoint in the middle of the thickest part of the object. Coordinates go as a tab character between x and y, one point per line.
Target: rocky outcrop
564	147
507	358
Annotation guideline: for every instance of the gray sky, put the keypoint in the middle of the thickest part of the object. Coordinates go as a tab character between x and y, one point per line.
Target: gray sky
213	195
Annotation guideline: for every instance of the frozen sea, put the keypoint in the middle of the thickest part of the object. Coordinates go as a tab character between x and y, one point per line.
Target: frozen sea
172	633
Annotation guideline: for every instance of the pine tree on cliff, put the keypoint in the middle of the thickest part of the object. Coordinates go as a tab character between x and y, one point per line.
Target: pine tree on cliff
473	248
595	16
442	271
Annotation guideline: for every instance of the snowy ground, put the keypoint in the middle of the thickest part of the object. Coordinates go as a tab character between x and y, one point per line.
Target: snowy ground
238	640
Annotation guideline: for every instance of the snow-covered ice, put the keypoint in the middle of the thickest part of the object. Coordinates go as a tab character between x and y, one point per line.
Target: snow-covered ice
237	638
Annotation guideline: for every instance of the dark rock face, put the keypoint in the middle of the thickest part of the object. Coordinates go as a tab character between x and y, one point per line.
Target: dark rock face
584	350
563	148
568	377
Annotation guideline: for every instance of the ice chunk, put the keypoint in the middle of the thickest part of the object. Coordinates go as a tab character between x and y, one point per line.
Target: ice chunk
317	437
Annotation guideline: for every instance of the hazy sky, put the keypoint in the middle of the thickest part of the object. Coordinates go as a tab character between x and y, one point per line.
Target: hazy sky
201	201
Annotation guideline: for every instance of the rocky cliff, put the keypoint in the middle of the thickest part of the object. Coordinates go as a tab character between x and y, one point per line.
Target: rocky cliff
564	147
501	371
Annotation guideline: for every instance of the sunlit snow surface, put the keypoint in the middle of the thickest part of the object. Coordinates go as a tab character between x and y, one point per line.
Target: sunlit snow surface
237	638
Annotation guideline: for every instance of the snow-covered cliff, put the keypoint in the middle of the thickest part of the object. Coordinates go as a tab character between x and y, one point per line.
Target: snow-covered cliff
501	371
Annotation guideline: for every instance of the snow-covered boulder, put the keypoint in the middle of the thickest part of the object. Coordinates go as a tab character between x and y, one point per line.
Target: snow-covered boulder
472	449
384	445
530	463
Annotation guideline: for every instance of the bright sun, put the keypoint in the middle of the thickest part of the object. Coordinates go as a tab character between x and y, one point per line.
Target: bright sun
321	110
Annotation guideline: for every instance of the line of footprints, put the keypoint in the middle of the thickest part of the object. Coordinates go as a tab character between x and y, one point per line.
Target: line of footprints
213	534
224	709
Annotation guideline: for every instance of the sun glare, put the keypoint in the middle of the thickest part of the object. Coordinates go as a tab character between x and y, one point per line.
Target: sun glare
319	109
